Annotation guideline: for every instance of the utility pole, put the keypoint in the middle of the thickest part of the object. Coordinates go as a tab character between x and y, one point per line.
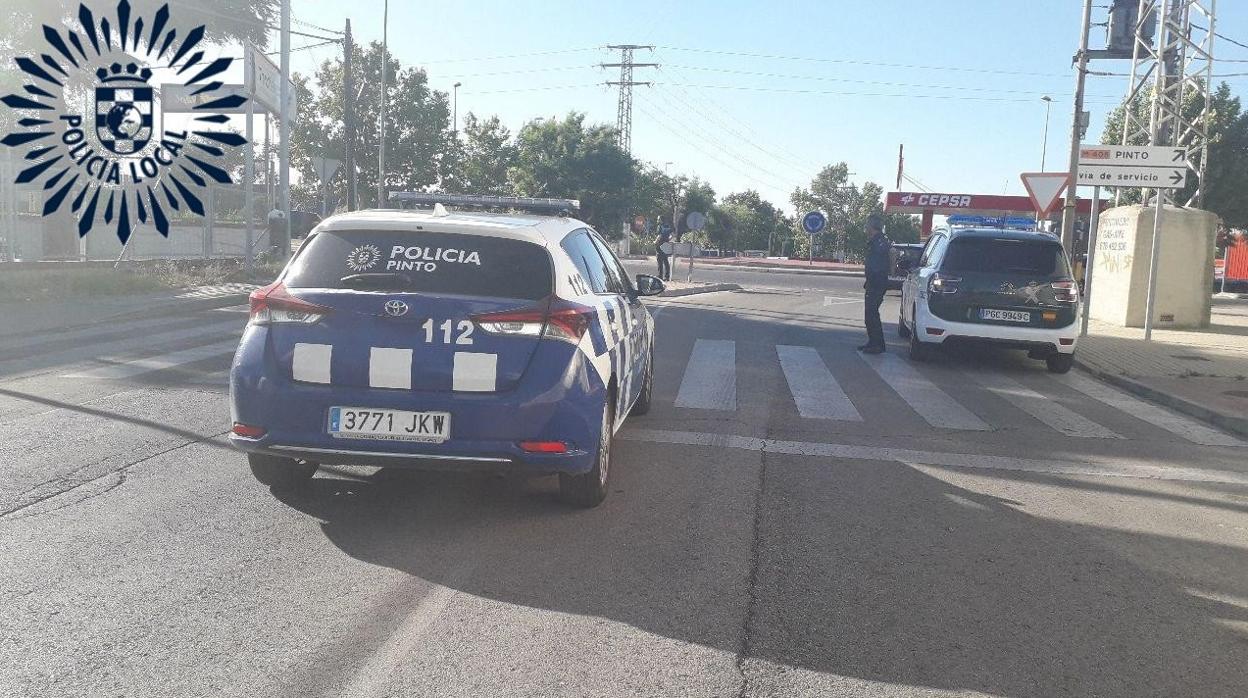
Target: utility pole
283	128
348	102
1044	142
624	111
455	118
381	151
1072	189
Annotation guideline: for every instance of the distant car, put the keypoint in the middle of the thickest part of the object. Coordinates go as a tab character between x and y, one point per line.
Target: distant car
436	339
1000	287
905	256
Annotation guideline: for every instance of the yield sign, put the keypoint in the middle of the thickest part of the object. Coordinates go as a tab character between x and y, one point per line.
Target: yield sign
1044	188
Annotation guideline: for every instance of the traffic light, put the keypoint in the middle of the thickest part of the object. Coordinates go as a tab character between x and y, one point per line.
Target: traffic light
1123	17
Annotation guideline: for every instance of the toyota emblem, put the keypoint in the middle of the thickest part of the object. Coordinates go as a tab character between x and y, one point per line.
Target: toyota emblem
396	308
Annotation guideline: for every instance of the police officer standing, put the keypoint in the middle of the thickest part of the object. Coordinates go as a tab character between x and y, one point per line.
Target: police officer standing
665	265
877	268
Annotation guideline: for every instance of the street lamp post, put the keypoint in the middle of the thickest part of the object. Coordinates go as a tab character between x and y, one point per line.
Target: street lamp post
455	101
1044	146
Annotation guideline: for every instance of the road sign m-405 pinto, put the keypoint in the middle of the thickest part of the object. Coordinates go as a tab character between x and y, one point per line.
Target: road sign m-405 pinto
1158	167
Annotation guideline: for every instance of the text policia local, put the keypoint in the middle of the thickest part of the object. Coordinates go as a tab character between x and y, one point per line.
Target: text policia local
417	258
107	169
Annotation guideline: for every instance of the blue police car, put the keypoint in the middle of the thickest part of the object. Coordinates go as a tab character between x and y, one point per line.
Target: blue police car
431	338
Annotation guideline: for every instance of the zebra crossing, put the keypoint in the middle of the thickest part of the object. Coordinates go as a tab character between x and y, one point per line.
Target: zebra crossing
709	382
815	389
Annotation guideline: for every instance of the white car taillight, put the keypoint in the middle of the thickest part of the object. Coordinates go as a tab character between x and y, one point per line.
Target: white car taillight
1065	291
274	304
943	283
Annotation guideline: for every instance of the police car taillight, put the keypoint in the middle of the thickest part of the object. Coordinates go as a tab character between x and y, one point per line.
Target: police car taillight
943	283
559	319
274	304
1065	291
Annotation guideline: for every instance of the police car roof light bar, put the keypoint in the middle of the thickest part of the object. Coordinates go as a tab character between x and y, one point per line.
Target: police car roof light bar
413	199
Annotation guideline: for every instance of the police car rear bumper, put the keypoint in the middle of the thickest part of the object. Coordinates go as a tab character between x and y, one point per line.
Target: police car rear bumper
486	429
934	330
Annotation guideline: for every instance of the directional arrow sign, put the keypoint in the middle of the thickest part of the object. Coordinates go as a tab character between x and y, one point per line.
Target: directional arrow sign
1152	177
1131	155
1045	188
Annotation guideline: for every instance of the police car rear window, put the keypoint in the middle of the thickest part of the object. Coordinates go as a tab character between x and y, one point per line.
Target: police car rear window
1006	256
423	262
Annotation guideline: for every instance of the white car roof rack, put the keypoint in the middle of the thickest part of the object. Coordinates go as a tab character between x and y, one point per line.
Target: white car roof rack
412	199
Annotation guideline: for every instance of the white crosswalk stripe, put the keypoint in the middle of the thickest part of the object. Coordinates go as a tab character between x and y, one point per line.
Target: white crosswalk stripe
933	404
1176	424
1042	408
710	380
815	392
120	367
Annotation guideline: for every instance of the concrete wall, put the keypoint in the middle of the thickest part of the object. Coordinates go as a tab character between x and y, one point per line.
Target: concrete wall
1184	272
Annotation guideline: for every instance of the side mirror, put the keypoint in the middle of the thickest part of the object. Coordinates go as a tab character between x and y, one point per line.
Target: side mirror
649	285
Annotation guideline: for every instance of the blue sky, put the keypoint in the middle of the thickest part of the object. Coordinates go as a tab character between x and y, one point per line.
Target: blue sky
961	88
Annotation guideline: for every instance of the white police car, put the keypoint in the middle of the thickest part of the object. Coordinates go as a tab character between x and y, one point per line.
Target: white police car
445	339
1007	288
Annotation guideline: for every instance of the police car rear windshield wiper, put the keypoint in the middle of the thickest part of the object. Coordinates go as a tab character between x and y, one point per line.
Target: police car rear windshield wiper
385	279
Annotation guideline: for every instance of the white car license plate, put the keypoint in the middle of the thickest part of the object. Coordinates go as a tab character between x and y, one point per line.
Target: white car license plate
1004	315
389	425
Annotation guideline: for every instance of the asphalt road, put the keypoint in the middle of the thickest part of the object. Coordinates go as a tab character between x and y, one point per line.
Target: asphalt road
791	519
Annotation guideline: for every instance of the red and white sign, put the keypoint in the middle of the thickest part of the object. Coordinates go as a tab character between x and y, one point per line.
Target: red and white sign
1045	188
943	204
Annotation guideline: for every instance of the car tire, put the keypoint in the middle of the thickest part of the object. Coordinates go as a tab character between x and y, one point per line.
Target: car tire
642	405
280	473
918	350
902	330
588	490
1060	363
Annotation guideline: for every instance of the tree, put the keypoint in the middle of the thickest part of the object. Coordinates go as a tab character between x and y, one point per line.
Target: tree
1226	175
568	159
483	161
224	21
418	136
756	223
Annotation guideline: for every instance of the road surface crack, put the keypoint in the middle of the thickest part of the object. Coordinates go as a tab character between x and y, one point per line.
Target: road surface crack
122	473
745	647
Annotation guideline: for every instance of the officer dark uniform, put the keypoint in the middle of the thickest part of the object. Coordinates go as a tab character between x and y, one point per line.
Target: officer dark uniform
665	266
879	259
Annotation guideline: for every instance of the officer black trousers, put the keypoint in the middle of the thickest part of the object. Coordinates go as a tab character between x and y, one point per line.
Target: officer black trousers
665	267
871	316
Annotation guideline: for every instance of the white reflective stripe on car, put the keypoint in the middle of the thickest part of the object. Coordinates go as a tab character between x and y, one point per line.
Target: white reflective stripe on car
310	362
390	368
475	372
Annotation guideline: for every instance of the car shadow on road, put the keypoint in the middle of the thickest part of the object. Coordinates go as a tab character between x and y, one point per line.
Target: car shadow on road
852	569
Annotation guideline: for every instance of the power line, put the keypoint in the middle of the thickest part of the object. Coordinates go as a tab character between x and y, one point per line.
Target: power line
856	62
664	118
857	94
821	78
517	72
512	55
296	20
543	88
662	89
715	142
728	112
662	124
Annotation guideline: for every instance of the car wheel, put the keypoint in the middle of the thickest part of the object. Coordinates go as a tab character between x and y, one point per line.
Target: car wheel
902	330
280	473
1060	363
587	490
642	405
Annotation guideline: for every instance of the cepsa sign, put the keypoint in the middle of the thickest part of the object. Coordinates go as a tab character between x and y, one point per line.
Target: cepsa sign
925	200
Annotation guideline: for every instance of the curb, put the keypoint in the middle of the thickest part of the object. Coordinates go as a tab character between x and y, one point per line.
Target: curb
785	270
708	288
1235	425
